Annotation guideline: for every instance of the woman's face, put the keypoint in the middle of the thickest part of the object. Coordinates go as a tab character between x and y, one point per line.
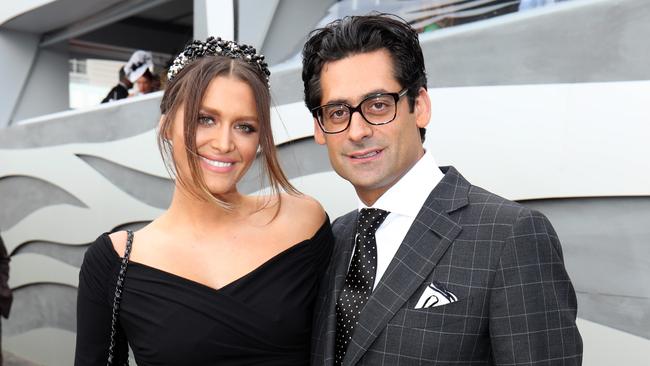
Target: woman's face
227	135
144	85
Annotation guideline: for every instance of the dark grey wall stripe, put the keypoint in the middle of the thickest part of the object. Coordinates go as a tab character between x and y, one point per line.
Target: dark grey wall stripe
150	189
70	254
22	195
42	305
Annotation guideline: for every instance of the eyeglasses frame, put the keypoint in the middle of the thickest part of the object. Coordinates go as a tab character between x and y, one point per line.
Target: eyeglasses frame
397	96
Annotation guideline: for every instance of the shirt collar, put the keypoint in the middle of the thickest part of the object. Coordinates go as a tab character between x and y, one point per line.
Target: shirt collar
408	195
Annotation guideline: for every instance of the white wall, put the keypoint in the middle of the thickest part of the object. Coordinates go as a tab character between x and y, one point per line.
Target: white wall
47	88
11	9
18	52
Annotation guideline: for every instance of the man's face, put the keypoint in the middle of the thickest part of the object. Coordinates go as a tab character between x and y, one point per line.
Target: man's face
372	158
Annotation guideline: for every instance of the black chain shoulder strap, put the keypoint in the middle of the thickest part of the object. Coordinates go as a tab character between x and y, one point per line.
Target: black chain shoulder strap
117	298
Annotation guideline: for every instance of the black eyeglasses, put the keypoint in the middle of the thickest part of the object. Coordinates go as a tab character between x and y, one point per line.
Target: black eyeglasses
376	109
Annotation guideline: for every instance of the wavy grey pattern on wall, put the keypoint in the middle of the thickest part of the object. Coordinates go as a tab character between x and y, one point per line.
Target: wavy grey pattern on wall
105	123
298	158
42	305
22	195
606	245
70	254
150	189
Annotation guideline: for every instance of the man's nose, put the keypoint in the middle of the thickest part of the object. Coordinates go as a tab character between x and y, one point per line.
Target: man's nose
359	128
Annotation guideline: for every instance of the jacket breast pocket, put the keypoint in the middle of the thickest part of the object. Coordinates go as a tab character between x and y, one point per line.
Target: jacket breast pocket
444	333
444	318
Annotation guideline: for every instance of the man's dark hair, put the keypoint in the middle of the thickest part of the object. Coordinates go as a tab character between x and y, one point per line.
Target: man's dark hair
353	35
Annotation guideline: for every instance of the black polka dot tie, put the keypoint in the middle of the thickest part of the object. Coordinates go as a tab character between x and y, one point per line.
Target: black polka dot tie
359	280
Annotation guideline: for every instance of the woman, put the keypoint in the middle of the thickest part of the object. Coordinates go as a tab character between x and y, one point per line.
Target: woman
220	278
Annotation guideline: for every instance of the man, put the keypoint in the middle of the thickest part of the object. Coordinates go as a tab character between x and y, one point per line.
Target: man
431	270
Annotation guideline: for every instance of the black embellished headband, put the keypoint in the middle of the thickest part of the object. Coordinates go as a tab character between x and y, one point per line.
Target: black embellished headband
218	47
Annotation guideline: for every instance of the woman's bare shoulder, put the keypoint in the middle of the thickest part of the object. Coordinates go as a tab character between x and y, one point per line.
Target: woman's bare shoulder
150	233
118	239
303	210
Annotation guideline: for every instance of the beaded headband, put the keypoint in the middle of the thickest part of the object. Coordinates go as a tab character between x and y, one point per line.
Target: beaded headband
218	47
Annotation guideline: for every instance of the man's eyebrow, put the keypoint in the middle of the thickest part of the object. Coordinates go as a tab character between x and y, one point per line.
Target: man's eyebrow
347	101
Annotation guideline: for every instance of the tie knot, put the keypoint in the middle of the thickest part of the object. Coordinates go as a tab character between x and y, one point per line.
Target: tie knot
370	219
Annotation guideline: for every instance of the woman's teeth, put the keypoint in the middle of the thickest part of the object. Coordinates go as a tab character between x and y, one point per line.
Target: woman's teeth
219	164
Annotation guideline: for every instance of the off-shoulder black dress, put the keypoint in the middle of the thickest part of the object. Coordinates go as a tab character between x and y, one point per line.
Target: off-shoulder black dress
263	318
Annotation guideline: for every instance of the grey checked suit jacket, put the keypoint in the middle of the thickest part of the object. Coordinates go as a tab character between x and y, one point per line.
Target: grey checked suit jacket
516	305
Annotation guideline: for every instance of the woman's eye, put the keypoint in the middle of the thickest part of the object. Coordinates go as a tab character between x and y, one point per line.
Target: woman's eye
246	127
206	121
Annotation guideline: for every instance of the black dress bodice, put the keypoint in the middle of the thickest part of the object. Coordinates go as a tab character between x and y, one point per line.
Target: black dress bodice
262	318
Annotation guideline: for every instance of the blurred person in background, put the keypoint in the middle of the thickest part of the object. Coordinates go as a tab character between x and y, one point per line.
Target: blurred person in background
144	84
121	90
147	83
139	69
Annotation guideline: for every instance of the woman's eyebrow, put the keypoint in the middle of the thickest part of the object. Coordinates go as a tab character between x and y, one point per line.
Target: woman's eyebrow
215	112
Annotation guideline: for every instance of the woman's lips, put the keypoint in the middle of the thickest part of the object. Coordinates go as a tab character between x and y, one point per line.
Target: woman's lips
217	165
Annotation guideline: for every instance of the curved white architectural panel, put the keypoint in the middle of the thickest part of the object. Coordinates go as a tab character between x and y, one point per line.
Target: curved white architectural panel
82	226
60	166
291	121
335	194
12	9
31	268
607	346
139	152
546	141
54	346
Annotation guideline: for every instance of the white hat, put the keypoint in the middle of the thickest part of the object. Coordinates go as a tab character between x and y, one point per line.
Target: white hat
138	64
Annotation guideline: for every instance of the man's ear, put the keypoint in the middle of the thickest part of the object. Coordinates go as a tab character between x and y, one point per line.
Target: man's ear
319	135
422	108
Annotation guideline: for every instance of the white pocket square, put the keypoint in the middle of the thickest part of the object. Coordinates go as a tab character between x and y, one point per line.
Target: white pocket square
436	294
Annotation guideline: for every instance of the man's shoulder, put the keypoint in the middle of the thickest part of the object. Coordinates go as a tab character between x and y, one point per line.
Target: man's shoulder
344	220
486	206
481	196
483	201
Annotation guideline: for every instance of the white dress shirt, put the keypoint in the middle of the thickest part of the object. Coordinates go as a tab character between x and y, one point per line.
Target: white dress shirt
403	200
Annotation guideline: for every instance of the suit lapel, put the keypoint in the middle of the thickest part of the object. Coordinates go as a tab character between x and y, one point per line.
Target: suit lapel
340	259
425	243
